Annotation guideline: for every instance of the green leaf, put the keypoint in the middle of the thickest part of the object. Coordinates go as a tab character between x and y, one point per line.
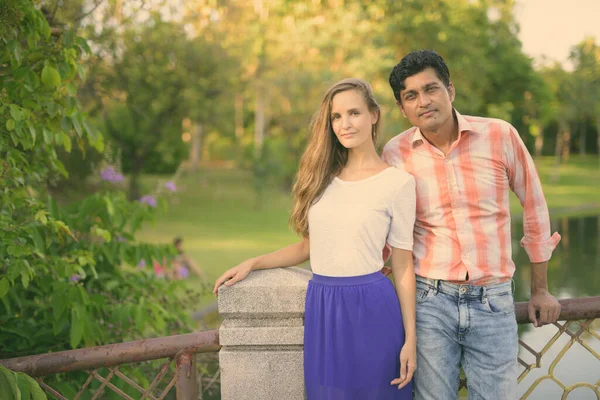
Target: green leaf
77	126
32	39
48	136
10	124
71	89
25	277
81	42
109	206
60	325
58	306
15	49
41	217
103	233
62	227
76	329
21	333
4	287
65	123
81	73
34	388
45	28
23	384
32	132
16	112
8	385
50	77
66	142
61	168
37	240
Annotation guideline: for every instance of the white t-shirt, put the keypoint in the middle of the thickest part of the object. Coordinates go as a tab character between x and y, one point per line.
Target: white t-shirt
351	222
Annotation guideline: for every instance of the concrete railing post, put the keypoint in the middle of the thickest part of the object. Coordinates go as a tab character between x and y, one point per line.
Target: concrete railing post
262	335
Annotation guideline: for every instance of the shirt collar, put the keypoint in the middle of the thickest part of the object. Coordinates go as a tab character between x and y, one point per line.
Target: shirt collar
463	126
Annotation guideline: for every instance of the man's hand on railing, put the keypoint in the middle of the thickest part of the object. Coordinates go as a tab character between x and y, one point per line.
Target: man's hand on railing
543	308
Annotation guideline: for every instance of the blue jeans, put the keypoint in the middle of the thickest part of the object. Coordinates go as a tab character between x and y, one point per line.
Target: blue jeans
469	326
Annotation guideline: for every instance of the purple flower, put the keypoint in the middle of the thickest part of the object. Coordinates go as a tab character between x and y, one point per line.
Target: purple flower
75	278
150	200
121	239
109	174
183	272
171	186
141	264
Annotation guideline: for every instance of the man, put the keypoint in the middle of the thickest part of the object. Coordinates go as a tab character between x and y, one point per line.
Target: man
464	167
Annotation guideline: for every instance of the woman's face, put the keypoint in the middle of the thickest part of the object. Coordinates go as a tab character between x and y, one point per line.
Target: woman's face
351	120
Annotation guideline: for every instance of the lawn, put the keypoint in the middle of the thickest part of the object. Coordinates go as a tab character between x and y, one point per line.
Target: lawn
222	222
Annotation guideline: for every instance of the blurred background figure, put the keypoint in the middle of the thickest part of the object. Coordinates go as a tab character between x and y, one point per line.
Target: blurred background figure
182	264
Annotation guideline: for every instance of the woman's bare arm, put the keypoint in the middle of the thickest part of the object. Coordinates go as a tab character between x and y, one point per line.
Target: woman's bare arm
287	257
404	279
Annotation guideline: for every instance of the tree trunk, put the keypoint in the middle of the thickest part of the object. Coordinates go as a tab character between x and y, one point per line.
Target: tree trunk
566	150
598	137
582	137
259	120
239	116
539	145
195	155
134	182
559	149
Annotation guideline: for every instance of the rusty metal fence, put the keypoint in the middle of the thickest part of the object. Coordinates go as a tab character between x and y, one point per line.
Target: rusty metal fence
178	377
107	368
578	327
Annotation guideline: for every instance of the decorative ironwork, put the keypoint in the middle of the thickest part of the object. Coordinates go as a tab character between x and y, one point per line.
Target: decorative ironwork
176	359
579	321
173	356
575	330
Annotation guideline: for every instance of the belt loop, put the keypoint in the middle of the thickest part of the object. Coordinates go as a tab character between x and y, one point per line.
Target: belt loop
513	286
483	294
437	285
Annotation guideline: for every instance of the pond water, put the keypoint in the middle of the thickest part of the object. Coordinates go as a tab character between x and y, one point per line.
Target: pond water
573	271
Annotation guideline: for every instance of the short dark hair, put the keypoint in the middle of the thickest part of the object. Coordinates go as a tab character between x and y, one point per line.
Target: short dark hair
178	240
415	62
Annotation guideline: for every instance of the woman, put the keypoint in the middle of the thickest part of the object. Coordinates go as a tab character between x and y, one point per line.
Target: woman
358	342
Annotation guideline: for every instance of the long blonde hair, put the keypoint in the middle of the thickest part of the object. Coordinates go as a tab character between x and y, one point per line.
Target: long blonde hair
325	156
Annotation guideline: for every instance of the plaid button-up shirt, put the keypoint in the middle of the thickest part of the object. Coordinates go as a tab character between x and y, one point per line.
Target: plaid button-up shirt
463	217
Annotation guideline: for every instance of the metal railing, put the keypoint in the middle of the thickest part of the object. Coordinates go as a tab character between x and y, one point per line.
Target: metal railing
578	323
578	317
179	351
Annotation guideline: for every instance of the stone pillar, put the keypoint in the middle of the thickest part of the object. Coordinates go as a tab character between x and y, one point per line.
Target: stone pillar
262	335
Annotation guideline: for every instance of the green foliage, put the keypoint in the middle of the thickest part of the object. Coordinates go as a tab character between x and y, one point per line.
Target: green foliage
68	273
19	386
154	78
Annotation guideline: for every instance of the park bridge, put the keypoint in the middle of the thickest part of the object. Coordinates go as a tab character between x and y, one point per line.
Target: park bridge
257	352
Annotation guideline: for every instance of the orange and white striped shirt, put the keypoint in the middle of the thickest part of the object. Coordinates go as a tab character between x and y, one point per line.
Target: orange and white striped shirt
463	217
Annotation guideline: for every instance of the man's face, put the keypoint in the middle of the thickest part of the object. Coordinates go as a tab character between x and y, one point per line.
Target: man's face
426	101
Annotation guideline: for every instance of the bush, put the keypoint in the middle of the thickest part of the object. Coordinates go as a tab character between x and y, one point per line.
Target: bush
69	275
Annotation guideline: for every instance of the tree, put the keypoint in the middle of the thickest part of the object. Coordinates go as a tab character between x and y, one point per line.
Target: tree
146	85
62	278
586	59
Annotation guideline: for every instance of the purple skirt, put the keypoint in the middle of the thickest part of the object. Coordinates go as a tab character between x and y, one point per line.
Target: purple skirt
353	334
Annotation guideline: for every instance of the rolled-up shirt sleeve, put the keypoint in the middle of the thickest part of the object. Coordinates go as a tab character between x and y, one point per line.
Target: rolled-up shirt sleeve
524	181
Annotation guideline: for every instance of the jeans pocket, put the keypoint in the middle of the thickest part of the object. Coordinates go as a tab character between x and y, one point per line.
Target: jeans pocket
424	293
499	304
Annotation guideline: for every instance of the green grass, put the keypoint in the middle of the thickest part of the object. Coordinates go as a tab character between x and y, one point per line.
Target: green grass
577	189
223	223
221	220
